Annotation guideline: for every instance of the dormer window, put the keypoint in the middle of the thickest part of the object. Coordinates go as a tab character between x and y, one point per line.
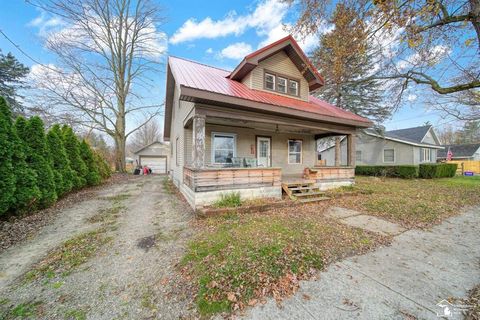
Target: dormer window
282	85
269	81
293	87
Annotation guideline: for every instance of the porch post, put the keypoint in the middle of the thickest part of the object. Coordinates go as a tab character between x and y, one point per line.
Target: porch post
351	155
337	152
198	142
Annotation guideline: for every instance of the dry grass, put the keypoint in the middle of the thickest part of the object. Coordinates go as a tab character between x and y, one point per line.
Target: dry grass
413	203
238	260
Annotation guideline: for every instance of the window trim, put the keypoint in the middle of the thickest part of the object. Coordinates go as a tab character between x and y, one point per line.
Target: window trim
275	83
288	88
265	80
286	84
394	155
301	151
228	134
429	155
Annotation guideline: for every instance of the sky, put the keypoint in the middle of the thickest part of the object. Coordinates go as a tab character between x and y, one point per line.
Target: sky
218	33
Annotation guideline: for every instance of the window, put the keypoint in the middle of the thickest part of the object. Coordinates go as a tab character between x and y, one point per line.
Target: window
294	151
282	85
425	155
269	81
293	87
358	156
223	147
176	152
388	155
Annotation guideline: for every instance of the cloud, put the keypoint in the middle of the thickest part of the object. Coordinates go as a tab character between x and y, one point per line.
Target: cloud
267	15
428	57
412	97
209	51
46	23
236	51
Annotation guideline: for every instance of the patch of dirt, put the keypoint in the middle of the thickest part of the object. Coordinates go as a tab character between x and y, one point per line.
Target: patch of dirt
133	276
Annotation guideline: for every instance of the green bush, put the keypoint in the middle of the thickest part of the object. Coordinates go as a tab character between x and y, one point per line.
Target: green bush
64	175
437	170
103	167
401	171
228	200
7	174
93	176
76	162
38	158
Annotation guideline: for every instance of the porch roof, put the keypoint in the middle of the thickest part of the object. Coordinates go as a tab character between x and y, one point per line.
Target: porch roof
196	78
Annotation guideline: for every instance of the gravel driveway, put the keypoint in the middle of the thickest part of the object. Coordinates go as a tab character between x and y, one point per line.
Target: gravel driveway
130	277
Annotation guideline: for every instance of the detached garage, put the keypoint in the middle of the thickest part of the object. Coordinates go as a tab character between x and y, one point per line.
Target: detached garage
155	156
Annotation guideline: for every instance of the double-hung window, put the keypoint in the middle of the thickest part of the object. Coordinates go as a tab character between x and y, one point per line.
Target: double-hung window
223	147
294	151
293	87
425	155
269	81
358	155
282	85
389	155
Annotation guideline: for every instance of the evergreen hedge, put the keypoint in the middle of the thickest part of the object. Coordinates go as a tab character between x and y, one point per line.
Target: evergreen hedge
400	171
437	170
36	167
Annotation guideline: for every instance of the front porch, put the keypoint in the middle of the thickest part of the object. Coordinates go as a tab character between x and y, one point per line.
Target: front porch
255	154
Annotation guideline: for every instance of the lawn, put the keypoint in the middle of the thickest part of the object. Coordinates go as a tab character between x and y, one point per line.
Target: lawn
413	203
238	260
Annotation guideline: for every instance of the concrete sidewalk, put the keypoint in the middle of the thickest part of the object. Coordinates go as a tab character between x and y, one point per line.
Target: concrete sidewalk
403	281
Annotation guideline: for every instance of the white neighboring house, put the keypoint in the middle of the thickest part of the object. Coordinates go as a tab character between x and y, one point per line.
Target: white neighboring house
155	155
409	146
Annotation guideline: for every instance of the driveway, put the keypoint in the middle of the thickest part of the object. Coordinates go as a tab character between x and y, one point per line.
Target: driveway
403	281
131	277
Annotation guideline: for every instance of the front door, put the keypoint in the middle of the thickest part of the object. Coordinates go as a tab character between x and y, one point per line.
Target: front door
263	152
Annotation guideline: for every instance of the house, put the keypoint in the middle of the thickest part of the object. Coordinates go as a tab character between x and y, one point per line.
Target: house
460	152
409	146
251	129
155	155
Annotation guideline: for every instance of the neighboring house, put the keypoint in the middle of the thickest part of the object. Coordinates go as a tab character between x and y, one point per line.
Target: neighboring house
155	155
410	146
461	152
253	128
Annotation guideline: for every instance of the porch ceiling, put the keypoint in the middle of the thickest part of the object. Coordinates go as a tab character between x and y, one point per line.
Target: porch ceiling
263	126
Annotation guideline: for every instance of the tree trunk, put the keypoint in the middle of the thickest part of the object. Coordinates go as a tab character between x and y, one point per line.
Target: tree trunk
475	11
120	142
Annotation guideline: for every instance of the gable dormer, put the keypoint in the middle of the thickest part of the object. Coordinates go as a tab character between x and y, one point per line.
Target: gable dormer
430	137
280	68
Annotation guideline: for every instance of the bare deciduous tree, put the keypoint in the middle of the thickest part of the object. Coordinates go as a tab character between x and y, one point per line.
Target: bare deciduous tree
108	50
147	134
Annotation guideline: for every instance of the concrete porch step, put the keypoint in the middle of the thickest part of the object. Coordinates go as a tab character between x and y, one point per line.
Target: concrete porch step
316	199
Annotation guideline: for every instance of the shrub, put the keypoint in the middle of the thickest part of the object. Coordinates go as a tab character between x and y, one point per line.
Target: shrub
38	158
65	176
437	170
228	200
401	171
7	175
93	176
73	153
102	164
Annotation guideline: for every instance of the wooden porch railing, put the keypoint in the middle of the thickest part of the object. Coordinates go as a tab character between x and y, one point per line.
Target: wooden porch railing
212	179
330	173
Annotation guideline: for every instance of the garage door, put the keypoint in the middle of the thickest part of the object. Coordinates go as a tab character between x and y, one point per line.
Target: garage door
157	164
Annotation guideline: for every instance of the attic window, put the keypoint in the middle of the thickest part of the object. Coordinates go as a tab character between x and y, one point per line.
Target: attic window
293	87
269	81
282	85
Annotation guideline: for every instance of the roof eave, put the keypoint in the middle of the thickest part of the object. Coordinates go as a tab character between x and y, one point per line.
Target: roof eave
405	141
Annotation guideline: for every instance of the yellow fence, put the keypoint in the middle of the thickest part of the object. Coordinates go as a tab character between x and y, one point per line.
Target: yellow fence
467	165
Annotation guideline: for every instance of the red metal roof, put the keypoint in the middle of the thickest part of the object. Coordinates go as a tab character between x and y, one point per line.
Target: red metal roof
199	76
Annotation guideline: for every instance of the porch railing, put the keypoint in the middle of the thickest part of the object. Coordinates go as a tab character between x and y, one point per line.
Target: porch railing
213	179
331	173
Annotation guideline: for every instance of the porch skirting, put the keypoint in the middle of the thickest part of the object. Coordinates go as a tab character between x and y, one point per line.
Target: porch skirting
205	198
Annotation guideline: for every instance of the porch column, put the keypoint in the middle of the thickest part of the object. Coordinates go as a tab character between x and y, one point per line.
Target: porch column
351	154
198	142
337	152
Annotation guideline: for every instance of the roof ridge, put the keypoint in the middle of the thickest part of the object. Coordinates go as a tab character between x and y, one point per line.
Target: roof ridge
429	125
200	63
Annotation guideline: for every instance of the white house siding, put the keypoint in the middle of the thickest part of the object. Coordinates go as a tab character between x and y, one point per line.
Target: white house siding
429	138
180	110
278	63
246	139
